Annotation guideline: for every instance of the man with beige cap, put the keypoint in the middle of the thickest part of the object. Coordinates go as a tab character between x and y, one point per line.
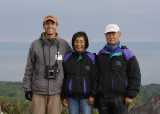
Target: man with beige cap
43	77
119	74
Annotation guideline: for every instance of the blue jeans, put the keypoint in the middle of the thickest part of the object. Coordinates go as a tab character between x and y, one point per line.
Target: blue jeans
76	106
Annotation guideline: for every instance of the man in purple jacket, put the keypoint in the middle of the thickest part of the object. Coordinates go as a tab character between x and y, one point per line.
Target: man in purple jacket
119	74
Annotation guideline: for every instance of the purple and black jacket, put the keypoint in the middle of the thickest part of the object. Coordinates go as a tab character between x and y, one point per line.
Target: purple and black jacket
80	76
119	73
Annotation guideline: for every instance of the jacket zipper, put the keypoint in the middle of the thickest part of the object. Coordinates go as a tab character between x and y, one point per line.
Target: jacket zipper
49	65
109	60
49	53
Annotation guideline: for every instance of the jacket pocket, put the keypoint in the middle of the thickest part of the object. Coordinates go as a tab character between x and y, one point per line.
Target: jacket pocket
86	85
119	85
68	86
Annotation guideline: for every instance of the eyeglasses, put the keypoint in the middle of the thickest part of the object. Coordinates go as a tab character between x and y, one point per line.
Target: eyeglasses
79	41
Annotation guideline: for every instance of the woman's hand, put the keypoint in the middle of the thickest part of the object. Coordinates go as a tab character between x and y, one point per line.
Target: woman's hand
65	103
91	101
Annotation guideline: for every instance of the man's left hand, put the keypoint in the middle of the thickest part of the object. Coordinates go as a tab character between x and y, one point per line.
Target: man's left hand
128	101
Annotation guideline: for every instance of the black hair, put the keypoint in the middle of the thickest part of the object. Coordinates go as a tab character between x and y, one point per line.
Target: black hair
78	34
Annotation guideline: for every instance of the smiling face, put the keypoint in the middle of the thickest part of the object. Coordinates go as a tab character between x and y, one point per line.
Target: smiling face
112	38
79	44
50	28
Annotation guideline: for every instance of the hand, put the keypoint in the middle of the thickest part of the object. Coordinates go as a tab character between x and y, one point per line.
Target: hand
128	100
28	95
65	103
91	101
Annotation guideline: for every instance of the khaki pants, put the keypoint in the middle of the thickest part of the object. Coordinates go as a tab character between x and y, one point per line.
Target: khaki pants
46	104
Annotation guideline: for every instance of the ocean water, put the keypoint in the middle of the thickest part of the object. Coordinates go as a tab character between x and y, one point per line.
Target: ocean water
13	58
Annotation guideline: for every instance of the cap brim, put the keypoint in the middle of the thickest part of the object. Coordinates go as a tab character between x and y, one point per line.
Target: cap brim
50	20
110	31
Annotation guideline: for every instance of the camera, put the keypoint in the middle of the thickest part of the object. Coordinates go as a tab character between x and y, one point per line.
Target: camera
52	71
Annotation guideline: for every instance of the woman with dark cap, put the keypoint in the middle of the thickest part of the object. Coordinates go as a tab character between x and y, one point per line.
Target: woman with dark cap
80	77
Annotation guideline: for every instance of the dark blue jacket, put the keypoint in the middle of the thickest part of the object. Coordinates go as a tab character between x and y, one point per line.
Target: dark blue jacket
119	73
80	76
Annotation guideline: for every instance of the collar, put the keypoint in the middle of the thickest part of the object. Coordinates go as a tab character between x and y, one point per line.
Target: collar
79	55
48	41
44	36
117	49
112	48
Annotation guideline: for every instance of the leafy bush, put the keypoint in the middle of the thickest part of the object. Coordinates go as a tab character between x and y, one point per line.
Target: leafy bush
13	102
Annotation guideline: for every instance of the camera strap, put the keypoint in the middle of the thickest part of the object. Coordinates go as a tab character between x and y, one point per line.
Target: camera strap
57	45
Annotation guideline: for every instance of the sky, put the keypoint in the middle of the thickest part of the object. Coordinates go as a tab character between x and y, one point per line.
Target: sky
139	20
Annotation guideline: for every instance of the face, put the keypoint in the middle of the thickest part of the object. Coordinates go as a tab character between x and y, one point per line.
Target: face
112	38
50	28
79	44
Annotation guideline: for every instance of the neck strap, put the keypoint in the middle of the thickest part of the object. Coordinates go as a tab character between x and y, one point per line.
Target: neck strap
57	45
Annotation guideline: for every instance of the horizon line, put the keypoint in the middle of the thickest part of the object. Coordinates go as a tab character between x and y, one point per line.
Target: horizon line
70	41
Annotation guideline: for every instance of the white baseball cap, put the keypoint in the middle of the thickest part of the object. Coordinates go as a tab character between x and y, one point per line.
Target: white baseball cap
112	28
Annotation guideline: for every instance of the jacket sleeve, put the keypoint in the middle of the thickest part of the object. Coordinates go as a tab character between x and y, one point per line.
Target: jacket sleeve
27	80
134	77
94	79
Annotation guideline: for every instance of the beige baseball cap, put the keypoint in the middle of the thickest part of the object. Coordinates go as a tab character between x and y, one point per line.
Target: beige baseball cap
50	17
112	28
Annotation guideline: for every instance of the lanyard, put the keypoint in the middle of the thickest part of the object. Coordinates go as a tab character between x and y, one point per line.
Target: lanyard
57	45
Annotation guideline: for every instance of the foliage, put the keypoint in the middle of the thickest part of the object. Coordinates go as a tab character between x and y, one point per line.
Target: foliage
13	107
64	111
148	90
13	102
11	91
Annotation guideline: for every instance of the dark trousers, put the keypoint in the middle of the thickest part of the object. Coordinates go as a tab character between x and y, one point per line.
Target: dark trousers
112	105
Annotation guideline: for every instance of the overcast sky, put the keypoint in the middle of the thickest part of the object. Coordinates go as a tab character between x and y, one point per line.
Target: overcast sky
139	20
